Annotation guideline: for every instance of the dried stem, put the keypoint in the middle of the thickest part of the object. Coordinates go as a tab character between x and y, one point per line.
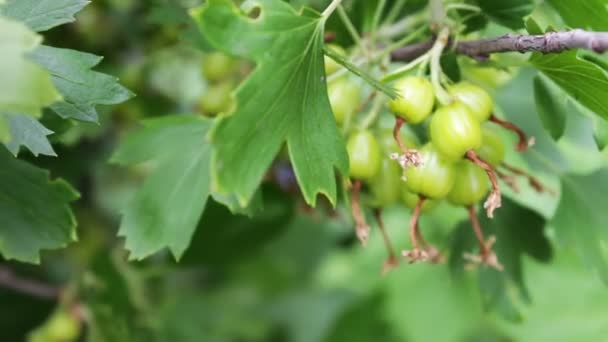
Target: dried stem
486	255
30	287
533	181
523	142
416	254
494	200
552	42
407	157
391	261
509	180
362	228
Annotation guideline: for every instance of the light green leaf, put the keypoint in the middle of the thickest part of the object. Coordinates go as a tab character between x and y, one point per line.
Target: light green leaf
82	88
600	132
27	131
164	212
34	211
509	13
551	106
284	99
581	218
586	14
41	15
25	88
584	81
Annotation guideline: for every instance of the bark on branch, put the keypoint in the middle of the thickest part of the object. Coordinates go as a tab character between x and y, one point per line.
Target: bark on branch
551	42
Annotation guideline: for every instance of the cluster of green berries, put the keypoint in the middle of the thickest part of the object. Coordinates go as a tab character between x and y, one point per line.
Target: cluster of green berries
221	73
457	164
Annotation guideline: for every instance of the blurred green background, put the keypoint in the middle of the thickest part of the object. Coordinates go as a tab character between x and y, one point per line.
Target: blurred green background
291	273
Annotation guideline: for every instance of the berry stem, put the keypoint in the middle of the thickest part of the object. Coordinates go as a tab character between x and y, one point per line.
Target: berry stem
509	180
408	156
362	228
533	181
436	52
523	142
392	261
494	200
477	230
486	255
414	232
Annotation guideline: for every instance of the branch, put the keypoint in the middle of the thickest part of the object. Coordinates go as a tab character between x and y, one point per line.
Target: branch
30	287
551	42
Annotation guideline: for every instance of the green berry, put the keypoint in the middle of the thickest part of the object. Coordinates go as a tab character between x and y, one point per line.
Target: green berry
217	99
492	148
416	99
217	66
454	131
476	98
364	155
470	186
344	97
434	178
411	199
385	186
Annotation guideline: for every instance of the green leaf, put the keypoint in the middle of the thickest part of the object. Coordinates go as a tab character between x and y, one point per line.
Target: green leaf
82	88
284	99
27	131
584	81
164	212
25	88
34	211
41	15
581	217
518	231
587	14
551	106
509	13
600	132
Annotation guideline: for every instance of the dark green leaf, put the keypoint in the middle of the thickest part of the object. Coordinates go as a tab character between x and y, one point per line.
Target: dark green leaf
82	88
164	212
586	14
518	231
34	211
584	81
551	106
284	99
509	13
581	217
41	15
27	131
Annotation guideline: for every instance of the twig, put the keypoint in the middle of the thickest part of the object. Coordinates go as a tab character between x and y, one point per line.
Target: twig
523	143
30	287
551	42
494	200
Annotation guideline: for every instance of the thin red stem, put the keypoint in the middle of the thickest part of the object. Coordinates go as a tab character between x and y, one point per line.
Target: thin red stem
494	200
399	122
523	142
361	225
414	232
477	229
533	181
392	260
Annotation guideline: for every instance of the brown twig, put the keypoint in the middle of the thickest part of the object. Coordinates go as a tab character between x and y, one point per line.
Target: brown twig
523	143
551	42
416	254
30	287
391	261
362	228
494	201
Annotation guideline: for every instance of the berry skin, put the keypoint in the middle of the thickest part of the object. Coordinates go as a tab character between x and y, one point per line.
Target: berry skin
217	99
454	131
478	100
416	99
344	97
364	155
470	186
411	200
385	186
332	66
492	148
217	66
434	178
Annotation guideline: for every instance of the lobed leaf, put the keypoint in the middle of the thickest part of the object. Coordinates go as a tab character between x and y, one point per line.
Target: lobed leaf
283	100
551	106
